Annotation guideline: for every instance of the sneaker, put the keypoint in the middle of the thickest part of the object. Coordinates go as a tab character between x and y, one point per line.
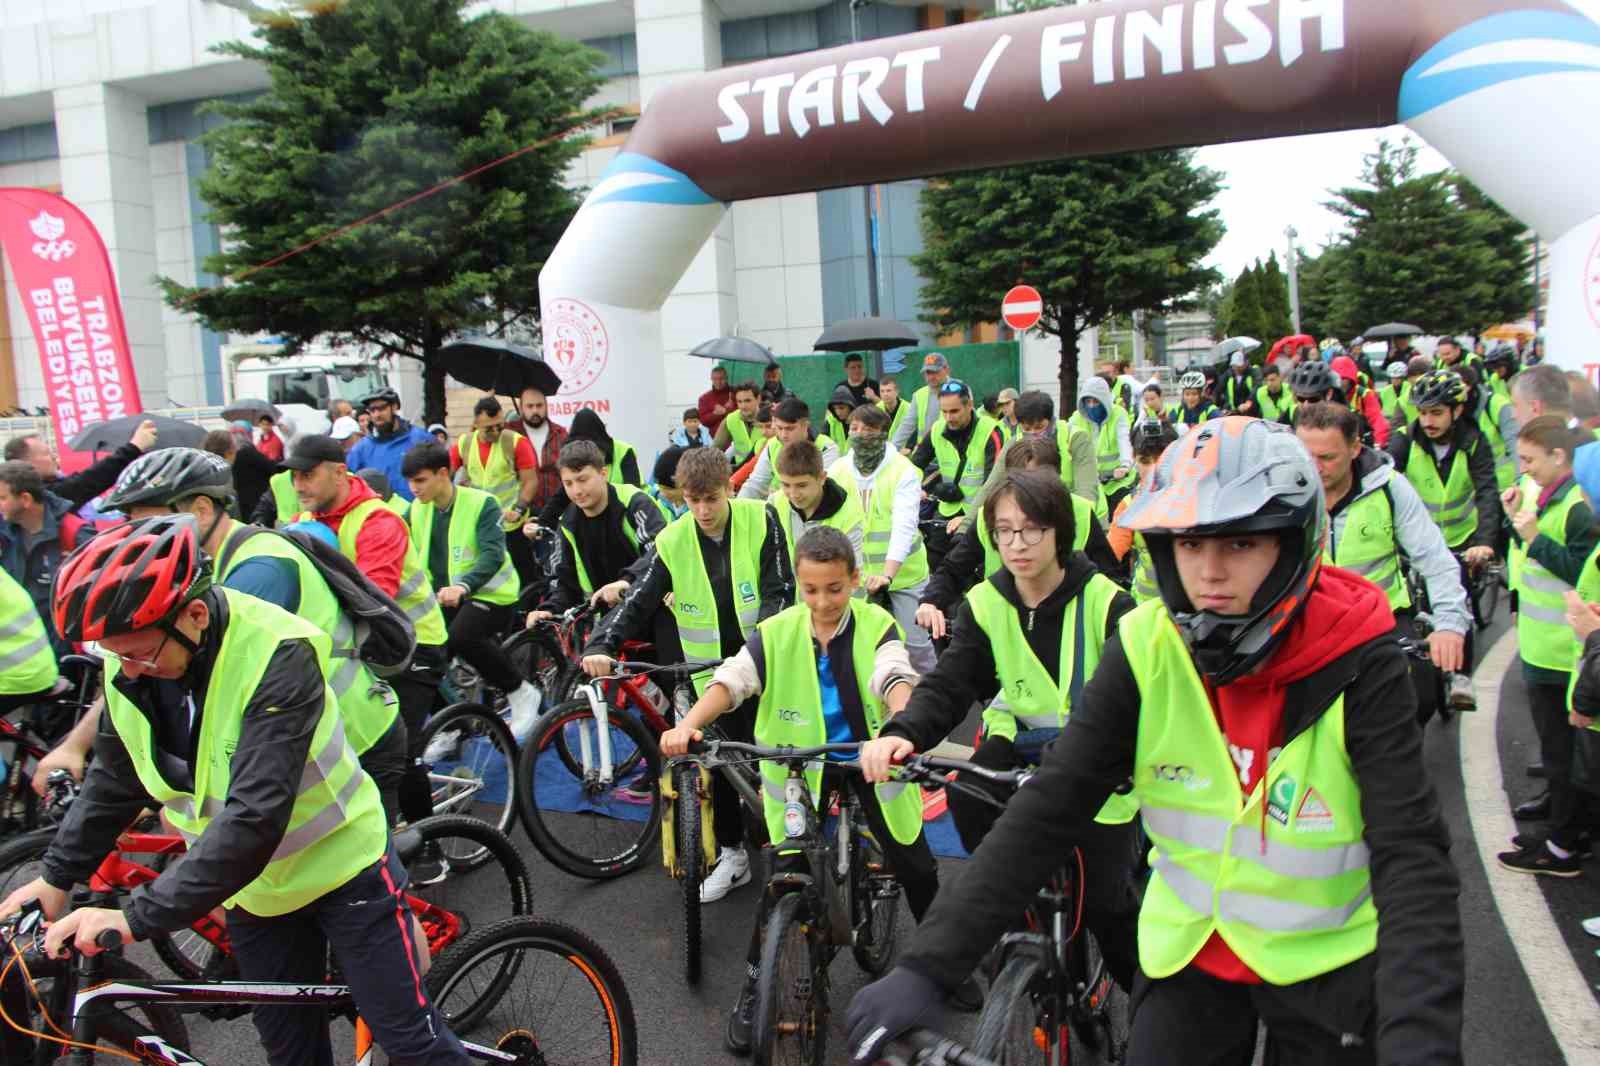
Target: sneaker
731	871
741	1019
445	743
429	867
1524	841
1541	860
1462	697
524	701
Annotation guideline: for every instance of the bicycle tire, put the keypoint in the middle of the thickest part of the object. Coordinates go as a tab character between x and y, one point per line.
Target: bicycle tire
791	1022
477	776
686	833
116	1027
19	858
613	1038
601	810
1013	1017
875	903
536	655
1486	598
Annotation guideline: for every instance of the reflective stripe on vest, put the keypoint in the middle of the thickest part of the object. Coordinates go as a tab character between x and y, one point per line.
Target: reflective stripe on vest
27	663
694	604
790	711
972	473
1366	546
284	497
1144	572
1027	693
879	519
1282	875
498	477
1543	635
1449	502
415	594
367	705
501	589
625	495
337	827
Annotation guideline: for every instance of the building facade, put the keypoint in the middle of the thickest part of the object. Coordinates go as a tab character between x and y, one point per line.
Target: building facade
100	101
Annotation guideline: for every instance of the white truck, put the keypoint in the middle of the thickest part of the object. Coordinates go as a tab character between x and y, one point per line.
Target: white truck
303	385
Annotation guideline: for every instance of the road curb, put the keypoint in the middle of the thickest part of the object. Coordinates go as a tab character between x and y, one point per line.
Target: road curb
1559	986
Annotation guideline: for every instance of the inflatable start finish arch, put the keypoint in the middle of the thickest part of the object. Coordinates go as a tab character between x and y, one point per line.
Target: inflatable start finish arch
1508	90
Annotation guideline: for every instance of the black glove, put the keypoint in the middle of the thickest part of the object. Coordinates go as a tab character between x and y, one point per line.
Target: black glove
883	1010
946	490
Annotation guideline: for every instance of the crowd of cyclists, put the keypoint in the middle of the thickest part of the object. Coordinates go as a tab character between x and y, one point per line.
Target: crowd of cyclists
1216	624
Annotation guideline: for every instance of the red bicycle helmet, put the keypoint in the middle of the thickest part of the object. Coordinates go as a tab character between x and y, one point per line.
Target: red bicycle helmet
131	577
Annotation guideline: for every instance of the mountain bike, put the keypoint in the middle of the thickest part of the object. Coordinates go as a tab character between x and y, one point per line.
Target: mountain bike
38	728
1483	589
841	895
103	1007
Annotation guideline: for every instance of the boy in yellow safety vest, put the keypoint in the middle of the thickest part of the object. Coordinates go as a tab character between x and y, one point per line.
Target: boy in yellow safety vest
1261	709
1553	536
844	671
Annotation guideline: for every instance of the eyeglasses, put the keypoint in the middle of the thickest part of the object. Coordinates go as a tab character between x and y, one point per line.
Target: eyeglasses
152	663
954	388
1029	535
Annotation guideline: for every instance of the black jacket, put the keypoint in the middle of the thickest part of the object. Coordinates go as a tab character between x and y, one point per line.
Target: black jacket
630	619
91	481
1414	981
966	672
962	566
252	473
603	545
927	460
1464	436
280	717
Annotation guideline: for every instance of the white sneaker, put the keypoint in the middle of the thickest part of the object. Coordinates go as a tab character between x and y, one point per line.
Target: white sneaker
442	746
731	871
1462	697
524	701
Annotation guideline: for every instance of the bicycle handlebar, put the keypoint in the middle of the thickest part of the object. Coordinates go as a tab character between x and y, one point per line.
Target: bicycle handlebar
1416	649
928	1048
621	668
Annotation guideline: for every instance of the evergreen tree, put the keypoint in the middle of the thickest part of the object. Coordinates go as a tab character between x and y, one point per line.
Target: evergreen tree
1273	287
1244	311
372	102
1097	237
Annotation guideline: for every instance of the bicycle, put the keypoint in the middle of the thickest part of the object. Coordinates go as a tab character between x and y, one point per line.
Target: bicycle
90	991
1483	588
924	1047
844	897
203	950
1053	999
40	727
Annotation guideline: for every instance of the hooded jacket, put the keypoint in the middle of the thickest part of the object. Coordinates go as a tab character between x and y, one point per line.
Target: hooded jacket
384	451
586	425
603	545
1416	536
1368	406
1413	982
1095	388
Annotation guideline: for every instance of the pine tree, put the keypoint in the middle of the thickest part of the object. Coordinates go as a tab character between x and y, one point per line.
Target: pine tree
1273	286
372	102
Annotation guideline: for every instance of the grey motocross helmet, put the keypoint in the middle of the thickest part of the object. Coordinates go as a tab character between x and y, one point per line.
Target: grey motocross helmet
1235	475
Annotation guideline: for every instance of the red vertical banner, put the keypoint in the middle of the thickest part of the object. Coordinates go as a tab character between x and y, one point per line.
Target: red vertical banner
70	295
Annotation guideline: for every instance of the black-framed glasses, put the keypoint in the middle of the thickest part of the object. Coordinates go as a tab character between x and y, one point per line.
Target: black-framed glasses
152	663
1029	535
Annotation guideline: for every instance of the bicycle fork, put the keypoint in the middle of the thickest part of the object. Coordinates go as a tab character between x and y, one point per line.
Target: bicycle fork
598	745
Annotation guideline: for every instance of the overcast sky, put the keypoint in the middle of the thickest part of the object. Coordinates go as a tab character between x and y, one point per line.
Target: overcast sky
1273	184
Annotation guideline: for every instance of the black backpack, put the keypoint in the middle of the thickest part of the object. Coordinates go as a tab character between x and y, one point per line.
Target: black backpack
385	637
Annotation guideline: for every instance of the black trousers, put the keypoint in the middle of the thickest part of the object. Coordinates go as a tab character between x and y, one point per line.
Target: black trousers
475	628
367	923
1110	897
1326	1022
520	549
913	864
386	762
1573	812
418	692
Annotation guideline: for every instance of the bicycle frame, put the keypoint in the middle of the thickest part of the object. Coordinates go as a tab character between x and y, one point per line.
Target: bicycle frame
828	862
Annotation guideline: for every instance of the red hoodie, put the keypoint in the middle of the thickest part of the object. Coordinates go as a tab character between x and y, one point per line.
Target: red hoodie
1342	613
1368	406
381	544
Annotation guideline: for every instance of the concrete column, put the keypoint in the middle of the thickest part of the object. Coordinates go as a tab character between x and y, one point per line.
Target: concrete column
104	139
677	38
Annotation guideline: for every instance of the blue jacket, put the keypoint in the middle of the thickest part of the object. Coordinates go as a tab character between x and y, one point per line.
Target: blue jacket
35	568
1586	467
385	452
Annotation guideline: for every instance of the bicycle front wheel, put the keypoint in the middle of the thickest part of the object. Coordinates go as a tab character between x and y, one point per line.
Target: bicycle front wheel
1018	1024
875	905
604	821
452	900
472	760
536	655
686	829
791	1022
539	989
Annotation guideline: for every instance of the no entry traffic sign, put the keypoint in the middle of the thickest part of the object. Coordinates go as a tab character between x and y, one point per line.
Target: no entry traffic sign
1022	308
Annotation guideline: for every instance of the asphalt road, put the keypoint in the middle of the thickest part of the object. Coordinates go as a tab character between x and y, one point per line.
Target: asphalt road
634	919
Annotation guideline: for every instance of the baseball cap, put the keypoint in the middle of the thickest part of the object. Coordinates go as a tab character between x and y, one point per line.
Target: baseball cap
306	452
438	427
1006	395
344	428
934	362
1236	359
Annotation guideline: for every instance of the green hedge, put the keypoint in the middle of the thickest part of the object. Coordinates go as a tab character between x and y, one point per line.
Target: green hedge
987	368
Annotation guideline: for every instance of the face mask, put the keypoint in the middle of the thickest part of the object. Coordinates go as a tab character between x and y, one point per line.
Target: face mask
868	449
1094	411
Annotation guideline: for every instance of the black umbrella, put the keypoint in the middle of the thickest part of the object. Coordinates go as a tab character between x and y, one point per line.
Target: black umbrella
1392	329
251	411
109	436
735	350
866	334
498	366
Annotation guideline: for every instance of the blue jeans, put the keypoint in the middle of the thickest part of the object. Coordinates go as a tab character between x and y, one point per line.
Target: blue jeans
367	923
